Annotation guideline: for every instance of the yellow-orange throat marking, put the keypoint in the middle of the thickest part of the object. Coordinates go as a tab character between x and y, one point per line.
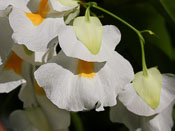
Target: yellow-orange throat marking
38	17
14	63
85	69
38	89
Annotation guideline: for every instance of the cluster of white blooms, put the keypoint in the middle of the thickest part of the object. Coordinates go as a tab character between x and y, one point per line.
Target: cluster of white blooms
86	74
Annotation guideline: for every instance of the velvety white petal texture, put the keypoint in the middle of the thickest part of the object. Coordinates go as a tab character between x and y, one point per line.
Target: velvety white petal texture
6	41
66	89
160	122
35	38
6	6
57	5
9	80
74	48
131	99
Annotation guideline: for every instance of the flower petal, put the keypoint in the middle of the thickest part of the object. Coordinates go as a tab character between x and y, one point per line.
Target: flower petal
149	87
131	99
6	40
160	122
31	118
9	80
63	5
74	48
89	32
57	118
81	93
34	37
20	122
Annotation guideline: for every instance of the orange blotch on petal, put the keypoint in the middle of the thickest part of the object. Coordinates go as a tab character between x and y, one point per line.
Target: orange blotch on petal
38	89
86	69
38	17
14	63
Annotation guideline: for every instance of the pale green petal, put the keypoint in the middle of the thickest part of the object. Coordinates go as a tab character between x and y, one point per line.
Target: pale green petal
149	87
89	32
69	3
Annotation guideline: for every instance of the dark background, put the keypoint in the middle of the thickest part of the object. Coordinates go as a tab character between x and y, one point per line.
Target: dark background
159	50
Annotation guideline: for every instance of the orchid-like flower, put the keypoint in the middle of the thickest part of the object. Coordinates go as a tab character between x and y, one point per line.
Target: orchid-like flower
39	113
40	22
159	122
15	65
89	40
77	85
6	43
136	103
87	73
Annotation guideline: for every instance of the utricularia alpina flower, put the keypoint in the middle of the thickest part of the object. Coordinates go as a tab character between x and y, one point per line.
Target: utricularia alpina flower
7	45
149	107
87	73
39	113
162	121
39	23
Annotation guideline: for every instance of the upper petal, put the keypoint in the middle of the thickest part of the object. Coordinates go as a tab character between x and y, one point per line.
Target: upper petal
74	48
34	37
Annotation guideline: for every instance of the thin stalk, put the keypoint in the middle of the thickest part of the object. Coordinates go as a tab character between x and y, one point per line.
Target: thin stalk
142	41
76	120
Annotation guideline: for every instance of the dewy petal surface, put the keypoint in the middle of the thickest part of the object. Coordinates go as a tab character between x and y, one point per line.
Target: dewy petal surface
160	122
131	99
149	87
89	32
72	47
34	29
69	91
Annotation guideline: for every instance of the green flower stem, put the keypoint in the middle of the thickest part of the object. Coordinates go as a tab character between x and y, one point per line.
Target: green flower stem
76	120
144	67
87	14
142	41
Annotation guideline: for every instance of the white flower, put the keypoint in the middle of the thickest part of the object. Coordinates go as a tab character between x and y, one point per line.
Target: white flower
38	24
159	122
77	85
11	73
134	103
106	42
39	113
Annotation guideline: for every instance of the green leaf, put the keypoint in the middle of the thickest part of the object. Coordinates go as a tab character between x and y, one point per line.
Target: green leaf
169	6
